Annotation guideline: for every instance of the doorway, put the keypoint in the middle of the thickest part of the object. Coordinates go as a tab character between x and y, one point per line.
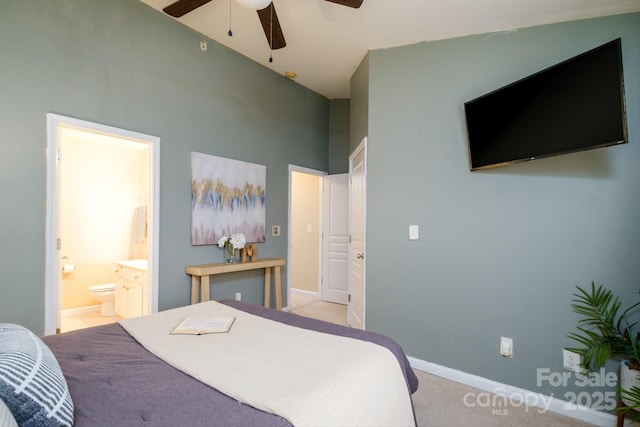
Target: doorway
317	244
305	216
82	204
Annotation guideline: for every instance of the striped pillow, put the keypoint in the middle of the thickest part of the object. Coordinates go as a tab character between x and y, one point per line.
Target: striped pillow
31	382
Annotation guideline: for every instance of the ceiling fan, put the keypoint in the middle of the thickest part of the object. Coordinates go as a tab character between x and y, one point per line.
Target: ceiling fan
266	14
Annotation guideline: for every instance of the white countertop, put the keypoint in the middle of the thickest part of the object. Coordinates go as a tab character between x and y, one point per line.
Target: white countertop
138	264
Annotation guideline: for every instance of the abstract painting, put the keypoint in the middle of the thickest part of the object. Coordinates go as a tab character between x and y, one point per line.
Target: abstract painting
227	197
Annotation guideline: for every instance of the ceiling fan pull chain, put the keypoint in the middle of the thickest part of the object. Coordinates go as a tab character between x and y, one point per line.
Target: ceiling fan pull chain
271	33
230	33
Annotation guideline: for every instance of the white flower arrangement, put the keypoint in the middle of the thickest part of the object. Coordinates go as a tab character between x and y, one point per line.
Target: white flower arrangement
236	241
230	244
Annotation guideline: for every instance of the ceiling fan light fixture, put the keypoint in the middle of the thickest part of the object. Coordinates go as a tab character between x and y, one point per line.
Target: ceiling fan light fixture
254	4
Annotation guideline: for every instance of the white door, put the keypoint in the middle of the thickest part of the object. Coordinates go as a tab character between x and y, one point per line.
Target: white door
335	238
357	229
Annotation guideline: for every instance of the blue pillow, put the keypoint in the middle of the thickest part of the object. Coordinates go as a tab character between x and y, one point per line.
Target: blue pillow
31	382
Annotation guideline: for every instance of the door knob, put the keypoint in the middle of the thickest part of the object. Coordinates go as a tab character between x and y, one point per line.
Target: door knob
360	255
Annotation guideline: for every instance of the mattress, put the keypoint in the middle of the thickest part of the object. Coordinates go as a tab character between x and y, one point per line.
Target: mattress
114	381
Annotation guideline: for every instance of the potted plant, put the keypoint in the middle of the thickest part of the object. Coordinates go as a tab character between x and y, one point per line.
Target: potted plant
606	332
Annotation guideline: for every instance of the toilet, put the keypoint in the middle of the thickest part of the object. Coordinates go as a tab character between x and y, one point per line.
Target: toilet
106	294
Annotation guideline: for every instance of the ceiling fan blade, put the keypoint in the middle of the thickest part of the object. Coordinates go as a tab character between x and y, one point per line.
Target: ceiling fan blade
350	3
271	27
182	7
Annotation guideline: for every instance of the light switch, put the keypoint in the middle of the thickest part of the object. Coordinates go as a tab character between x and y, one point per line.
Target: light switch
414	232
308	228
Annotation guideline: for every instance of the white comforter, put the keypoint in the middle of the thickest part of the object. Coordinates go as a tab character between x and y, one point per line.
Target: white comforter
307	377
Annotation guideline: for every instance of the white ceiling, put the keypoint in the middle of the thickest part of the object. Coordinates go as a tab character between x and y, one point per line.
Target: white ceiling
326	42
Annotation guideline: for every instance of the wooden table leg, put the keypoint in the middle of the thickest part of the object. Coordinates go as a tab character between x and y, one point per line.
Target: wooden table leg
620	419
195	289
267	287
278	285
204	289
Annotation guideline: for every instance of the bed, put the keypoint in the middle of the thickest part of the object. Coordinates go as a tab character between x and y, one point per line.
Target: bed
113	380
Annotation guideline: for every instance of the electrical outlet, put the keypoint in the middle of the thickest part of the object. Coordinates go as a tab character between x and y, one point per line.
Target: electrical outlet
571	361
506	347
414	232
238	296
275	230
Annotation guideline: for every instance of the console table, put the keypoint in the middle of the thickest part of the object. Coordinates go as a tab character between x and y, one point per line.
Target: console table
200	275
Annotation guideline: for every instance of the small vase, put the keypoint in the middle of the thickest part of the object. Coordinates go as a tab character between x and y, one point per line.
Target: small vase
231	255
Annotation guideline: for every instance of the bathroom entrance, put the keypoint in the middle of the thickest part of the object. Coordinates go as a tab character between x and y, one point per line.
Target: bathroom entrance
104	205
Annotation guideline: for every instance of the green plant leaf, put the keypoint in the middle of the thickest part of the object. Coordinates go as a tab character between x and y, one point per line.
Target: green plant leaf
631	396
602	331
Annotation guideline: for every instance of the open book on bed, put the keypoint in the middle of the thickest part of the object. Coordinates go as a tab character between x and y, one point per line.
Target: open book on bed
198	325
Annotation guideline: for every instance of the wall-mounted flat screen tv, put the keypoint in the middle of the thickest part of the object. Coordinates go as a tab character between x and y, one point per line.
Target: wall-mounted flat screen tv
572	106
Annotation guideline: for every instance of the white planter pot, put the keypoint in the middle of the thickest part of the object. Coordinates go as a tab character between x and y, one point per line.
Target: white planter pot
628	379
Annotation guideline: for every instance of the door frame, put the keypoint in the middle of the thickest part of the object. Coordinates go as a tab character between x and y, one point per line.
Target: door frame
53	268
294	168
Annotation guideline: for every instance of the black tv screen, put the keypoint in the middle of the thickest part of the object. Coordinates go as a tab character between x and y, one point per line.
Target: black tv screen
572	106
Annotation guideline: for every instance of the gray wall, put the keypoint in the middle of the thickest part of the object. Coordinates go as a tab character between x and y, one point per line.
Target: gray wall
359	105
123	64
339	136
500	251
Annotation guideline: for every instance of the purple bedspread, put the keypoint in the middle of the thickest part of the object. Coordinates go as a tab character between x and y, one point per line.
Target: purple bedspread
114	381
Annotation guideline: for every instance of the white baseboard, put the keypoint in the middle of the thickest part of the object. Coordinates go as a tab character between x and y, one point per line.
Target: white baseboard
304	292
517	394
80	310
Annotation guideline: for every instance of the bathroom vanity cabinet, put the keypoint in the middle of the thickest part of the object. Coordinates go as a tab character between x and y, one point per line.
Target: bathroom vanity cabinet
132	294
